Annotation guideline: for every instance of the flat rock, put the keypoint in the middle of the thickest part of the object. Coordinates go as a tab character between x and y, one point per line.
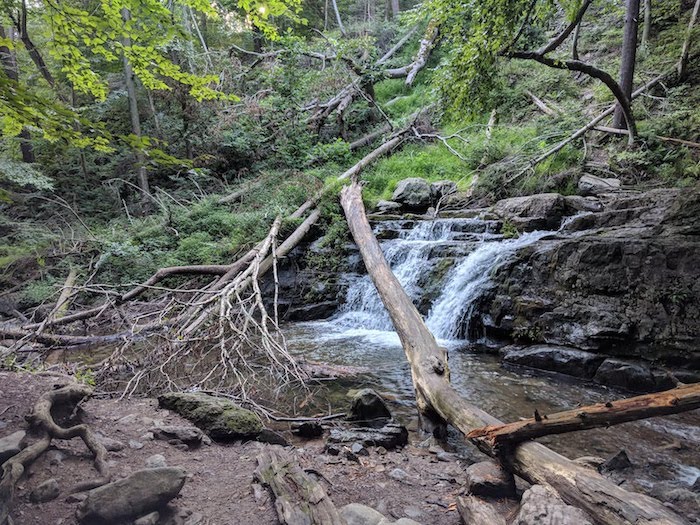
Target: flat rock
489	479
11	445
357	514
592	185
389	436
191	436
110	444
142	492
539	506
562	359
369	408
46	491
220	418
542	211
634	376
388	207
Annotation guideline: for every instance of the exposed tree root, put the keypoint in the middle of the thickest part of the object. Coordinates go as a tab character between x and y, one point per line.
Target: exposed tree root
43	424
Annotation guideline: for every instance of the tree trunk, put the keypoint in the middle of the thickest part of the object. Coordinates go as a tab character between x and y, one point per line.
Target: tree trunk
338	19
647	23
8	59
142	175
439	402
681	399
683	62
299	499
629	57
395	8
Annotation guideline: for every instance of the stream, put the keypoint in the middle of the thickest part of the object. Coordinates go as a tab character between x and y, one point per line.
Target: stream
445	266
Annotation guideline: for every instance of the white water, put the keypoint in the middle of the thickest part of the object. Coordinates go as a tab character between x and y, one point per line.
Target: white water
411	260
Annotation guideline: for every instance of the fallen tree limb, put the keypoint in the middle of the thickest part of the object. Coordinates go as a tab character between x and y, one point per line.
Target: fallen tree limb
585	129
43	424
438	402
616	131
500	437
299	499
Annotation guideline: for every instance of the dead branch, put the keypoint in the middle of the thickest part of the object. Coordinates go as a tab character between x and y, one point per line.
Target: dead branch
585	129
439	403
43	423
498	437
544	108
298	497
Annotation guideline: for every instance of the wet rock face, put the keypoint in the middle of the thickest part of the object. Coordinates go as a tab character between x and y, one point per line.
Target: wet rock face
219	418
142	492
368	408
564	360
627	285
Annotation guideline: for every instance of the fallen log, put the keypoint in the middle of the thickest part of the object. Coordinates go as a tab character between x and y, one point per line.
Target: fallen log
43	424
475	511
499	437
439	403
299	499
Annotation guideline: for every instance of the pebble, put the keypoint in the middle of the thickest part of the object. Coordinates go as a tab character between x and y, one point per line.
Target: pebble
136	445
399	474
358	449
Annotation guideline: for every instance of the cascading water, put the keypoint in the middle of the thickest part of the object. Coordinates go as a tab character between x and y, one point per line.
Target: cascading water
415	253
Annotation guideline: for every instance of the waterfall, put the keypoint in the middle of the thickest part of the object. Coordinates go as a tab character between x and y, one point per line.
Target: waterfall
411	255
467	282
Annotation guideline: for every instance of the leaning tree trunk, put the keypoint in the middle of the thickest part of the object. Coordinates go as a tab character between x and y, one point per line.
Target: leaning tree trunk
647	22
685	52
142	175
629	57
338	19
439	402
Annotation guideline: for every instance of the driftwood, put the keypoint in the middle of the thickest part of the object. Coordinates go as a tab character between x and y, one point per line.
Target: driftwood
500	437
299	499
439	403
43	424
475	511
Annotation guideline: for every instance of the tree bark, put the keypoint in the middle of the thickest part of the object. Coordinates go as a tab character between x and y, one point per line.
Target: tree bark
395	8
683	62
681	399
338	19
8	59
142	175
439	402
647	23
627	66
299	499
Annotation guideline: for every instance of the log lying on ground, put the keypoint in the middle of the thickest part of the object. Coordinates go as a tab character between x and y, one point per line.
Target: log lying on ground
500	437
43	424
299	499
437	400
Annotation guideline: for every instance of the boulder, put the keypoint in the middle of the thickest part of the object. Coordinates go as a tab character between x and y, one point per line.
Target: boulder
110	444
592	185
633	376
489	479
11	445
442	188
539	506
388	207
560	359
369	408
46	491
142	492
543	211
389	436
220	418
413	194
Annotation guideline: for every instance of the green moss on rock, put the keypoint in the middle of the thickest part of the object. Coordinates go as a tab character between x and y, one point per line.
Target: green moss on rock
220	418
